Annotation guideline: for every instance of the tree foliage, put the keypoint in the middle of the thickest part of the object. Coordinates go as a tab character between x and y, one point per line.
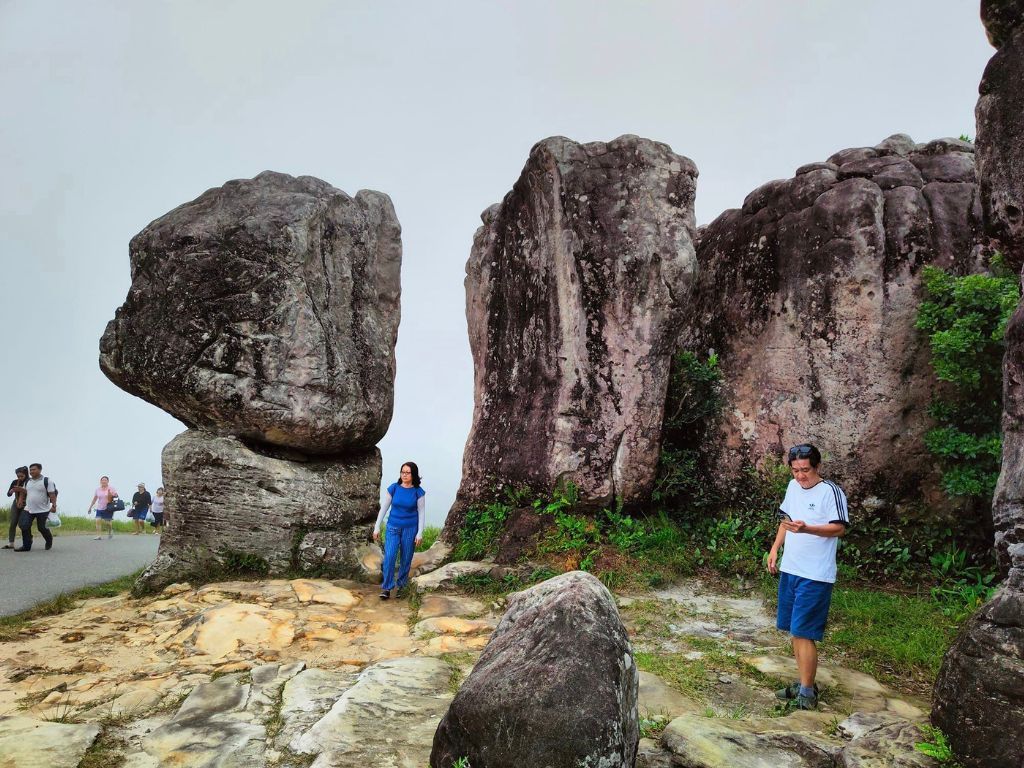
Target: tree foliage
965	319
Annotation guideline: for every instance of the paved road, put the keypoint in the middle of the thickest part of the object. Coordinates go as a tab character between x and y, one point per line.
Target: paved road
27	578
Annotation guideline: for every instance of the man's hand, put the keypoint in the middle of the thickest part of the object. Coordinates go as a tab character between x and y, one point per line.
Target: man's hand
773	567
794	526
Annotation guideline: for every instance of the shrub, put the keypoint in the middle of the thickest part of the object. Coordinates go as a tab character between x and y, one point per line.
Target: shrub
965	319
479	534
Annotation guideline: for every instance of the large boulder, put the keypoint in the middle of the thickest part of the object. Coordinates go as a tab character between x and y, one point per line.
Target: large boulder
574	290
979	693
267	308
237	506
555	686
809	295
1001	129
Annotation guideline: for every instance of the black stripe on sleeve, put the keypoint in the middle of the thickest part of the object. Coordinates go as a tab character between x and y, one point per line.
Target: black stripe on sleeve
840	498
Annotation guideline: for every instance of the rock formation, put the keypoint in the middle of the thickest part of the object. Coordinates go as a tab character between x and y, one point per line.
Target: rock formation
264	315
233	504
267	308
555	685
979	694
809	294
574	289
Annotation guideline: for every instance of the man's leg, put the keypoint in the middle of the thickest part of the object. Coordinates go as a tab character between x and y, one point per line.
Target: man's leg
41	523
25	523
806	653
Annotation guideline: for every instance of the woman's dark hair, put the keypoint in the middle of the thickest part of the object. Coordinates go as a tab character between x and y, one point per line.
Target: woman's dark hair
23	470
415	473
805	451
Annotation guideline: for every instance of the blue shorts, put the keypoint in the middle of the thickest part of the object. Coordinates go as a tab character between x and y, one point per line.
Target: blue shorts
102	514
803	606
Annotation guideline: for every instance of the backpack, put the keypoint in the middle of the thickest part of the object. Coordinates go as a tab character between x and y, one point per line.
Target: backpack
47	486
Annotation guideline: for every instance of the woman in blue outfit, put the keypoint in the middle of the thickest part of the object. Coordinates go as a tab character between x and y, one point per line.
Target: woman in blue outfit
405	526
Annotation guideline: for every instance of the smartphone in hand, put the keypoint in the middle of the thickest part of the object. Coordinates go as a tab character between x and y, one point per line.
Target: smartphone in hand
784	516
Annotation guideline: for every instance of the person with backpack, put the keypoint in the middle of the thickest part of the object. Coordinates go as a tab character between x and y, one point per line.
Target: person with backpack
17	490
105	500
40	501
141	502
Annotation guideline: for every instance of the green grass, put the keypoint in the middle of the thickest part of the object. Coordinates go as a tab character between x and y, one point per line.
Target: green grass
72	524
11	626
893	637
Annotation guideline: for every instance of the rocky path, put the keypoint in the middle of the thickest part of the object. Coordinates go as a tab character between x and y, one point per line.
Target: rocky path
314	672
74	562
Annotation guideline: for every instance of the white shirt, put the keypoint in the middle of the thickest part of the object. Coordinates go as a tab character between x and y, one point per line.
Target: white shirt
37	500
806	554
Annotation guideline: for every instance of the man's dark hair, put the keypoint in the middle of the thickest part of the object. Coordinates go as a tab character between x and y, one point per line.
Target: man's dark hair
804	451
35	464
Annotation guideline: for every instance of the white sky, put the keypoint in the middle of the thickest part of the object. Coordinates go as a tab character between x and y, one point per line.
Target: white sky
112	113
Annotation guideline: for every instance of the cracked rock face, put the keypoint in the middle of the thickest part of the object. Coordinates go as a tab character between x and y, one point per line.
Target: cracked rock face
809	295
556	685
1001	129
230	500
267	308
573	294
979	693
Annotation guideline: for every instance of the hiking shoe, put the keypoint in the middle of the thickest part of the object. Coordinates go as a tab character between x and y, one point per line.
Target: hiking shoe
385	594
789	692
806	702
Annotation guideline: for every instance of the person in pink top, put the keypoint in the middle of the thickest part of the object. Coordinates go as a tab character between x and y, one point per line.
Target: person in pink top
103	500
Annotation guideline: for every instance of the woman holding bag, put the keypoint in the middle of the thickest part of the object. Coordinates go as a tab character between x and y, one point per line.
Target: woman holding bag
103	500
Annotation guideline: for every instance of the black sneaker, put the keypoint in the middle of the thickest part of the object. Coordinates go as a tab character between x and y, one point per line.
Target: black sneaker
22	549
385	594
49	545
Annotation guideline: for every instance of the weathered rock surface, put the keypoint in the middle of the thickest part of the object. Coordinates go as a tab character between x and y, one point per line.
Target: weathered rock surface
1001	130
266	308
445	576
574	290
556	685
385	718
26	742
809	294
229	500
979	694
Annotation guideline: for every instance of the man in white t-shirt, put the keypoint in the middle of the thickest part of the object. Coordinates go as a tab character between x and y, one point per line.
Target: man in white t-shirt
813	515
40	500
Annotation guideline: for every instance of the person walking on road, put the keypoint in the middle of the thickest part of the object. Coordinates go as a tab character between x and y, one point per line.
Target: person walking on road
813	515
40	501
103	500
158	510
141	503
404	527
17	490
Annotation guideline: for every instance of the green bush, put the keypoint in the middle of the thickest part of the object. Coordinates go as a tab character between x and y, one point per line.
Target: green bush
480	531
965	319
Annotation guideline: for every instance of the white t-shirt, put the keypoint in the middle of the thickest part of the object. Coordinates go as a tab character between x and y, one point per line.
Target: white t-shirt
805	554
37	500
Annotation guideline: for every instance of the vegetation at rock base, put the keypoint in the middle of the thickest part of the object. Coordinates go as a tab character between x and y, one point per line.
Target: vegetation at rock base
937	746
965	319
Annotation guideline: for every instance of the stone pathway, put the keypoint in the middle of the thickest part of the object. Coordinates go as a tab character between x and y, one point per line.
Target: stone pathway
322	673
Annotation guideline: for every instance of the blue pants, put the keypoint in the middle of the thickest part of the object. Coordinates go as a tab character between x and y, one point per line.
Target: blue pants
398	540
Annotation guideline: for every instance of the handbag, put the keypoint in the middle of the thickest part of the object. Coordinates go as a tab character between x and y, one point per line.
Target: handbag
53	520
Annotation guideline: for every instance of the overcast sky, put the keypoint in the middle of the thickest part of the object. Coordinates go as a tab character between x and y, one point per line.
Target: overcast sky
115	112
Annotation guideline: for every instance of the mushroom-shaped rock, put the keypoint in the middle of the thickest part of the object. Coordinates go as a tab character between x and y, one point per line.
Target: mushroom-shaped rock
267	308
